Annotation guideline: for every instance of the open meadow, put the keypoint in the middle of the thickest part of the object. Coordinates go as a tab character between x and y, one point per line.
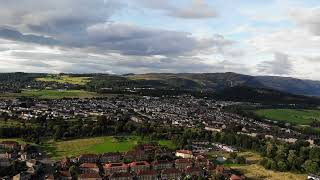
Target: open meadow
51	94
296	116
65	79
76	147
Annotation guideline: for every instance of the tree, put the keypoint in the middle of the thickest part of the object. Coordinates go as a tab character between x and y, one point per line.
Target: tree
270	150
241	160
292	159
281	153
282	166
311	166
233	155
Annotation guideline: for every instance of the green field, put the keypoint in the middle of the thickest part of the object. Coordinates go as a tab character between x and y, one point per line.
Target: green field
11	123
105	144
65	79
296	116
51	94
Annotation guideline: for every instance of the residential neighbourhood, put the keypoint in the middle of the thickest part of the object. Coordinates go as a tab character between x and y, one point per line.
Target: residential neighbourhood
181	163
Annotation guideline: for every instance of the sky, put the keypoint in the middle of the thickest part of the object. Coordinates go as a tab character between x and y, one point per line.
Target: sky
255	37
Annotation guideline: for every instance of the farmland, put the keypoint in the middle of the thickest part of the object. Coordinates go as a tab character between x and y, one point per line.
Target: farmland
51	94
104	144
65	79
296	116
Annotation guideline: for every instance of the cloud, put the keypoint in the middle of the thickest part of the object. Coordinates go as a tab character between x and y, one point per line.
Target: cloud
134	40
280	65
198	9
14	35
308	18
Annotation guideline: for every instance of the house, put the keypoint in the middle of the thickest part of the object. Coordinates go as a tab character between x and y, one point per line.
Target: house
110	157
193	171
137	166
184	154
147	175
171	173
89	168
64	175
115	168
88	158
89	176
136	155
183	163
9	145
120	176
201	161
161	164
65	163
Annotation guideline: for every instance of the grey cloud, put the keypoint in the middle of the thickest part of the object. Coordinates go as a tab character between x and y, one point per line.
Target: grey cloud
14	35
35	63
198	9
280	65
128	40
308	18
84	24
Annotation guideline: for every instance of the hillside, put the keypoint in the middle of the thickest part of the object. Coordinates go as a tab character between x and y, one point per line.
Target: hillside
218	81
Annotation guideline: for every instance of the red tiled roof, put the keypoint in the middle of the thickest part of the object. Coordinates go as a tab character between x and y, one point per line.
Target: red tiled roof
140	163
134	153
89	156
193	169
65	173
171	171
235	177
120	174
184	152
9	142
89	165
161	162
109	165
146	172
182	161
90	175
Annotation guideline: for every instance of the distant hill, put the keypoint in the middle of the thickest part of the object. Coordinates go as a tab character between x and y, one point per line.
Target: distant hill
219	81
11	82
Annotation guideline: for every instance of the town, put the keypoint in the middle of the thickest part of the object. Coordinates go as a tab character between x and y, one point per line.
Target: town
182	111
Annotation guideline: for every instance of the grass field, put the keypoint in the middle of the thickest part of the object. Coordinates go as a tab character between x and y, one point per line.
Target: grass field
257	172
51	94
11	123
296	116
65	79
105	144
20	141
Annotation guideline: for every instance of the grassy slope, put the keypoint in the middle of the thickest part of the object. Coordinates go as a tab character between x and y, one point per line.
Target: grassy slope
303	117
51	94
95	145
255	171
11	123
65	79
